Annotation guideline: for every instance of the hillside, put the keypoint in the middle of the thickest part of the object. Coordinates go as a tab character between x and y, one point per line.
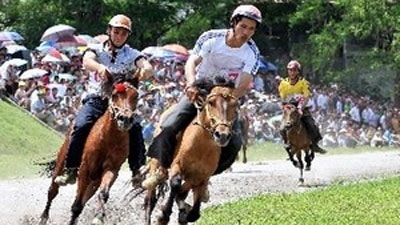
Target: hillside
23	141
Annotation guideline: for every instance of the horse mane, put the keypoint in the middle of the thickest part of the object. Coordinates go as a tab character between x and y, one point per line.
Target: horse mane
207	84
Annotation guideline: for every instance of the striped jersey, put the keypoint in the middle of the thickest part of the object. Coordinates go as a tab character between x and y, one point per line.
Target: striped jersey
220	59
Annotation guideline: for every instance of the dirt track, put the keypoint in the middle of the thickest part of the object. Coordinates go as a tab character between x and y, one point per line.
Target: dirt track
22	201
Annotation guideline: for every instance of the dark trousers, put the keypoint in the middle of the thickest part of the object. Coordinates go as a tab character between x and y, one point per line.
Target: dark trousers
163	145
90	112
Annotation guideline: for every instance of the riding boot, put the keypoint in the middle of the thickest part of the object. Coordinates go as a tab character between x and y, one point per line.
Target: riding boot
313	133
69	177
136	157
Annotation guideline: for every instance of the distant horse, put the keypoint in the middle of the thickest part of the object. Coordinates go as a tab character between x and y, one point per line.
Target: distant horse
197	154
298	138
106	149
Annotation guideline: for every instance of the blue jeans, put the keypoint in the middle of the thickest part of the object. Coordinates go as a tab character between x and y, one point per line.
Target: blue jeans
92	109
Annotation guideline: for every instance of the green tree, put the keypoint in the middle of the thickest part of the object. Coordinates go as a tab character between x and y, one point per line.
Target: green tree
363	34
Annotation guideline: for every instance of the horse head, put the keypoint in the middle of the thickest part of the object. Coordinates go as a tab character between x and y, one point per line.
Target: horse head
123	98
220	108
290	115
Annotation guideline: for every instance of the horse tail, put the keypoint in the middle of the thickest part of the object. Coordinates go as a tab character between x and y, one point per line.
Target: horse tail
48	167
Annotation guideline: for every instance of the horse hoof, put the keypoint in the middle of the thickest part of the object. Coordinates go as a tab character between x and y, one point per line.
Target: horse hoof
43	221
308	168
192	217
97	221
301	182
161	221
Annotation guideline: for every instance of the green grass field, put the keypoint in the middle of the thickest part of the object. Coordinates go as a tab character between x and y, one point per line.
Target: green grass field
366	203
23	141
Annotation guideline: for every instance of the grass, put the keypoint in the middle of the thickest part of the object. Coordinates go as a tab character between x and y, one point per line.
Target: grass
362	203
23	141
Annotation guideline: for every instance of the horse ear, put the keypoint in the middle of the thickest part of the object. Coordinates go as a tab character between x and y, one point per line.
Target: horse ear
107	85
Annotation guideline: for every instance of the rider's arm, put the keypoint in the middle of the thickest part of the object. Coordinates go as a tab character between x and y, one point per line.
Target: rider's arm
244	82
306	92
90	63
146	68
190	69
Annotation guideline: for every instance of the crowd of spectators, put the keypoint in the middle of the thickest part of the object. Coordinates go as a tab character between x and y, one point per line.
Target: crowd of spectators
345	119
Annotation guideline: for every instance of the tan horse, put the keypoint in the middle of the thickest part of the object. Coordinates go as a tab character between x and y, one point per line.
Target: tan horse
298	139
197	155
106	149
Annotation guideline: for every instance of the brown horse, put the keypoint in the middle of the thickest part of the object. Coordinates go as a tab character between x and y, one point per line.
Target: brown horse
298	138
106	149
197	155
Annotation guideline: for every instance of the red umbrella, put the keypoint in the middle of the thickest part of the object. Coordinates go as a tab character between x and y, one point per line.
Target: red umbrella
177	48
70	41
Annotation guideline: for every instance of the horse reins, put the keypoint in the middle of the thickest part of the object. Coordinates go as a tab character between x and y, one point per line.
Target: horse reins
115	110
215	122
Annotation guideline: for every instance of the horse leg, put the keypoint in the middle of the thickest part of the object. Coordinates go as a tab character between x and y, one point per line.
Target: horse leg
51	194
198	195
175	184
107	181
244	149
184	207
300	166
308	158
86	189
150	202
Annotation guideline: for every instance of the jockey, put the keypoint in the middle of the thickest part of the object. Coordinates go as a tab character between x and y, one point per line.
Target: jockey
117	57
298	88
229	52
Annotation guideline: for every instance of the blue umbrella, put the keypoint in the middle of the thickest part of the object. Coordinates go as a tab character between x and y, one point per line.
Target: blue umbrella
10	36
266	66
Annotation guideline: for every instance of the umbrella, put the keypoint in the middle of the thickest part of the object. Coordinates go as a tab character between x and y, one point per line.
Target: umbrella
266	66
89	39
70	41
33	73
56	32
176	48
54	59
158	52
101	38
17	62
11	49
66	76
10	36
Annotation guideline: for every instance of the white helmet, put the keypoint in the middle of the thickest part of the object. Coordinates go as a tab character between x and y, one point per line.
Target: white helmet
121	21
249	11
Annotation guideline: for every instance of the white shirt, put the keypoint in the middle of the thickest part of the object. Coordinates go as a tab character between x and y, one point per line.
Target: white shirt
220	59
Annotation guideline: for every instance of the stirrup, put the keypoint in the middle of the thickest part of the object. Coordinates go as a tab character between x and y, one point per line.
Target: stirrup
69	177
154	179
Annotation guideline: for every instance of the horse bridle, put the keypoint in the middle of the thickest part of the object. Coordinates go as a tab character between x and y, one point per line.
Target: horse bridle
215	122
117	111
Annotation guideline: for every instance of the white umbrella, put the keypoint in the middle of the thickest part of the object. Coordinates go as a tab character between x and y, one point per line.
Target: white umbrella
66	76
32	73
11	49
55	32
15	62
53	59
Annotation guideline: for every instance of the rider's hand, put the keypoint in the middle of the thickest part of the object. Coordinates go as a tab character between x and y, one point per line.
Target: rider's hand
102	72
192	93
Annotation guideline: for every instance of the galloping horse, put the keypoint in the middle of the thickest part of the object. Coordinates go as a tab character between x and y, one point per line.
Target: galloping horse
106	149
197	154
297	137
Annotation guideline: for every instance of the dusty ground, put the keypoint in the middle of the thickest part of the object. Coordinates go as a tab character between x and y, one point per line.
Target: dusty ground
22	201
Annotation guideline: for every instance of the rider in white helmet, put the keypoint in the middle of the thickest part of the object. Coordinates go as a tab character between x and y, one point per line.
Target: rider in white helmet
230	52
115	56
297	88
